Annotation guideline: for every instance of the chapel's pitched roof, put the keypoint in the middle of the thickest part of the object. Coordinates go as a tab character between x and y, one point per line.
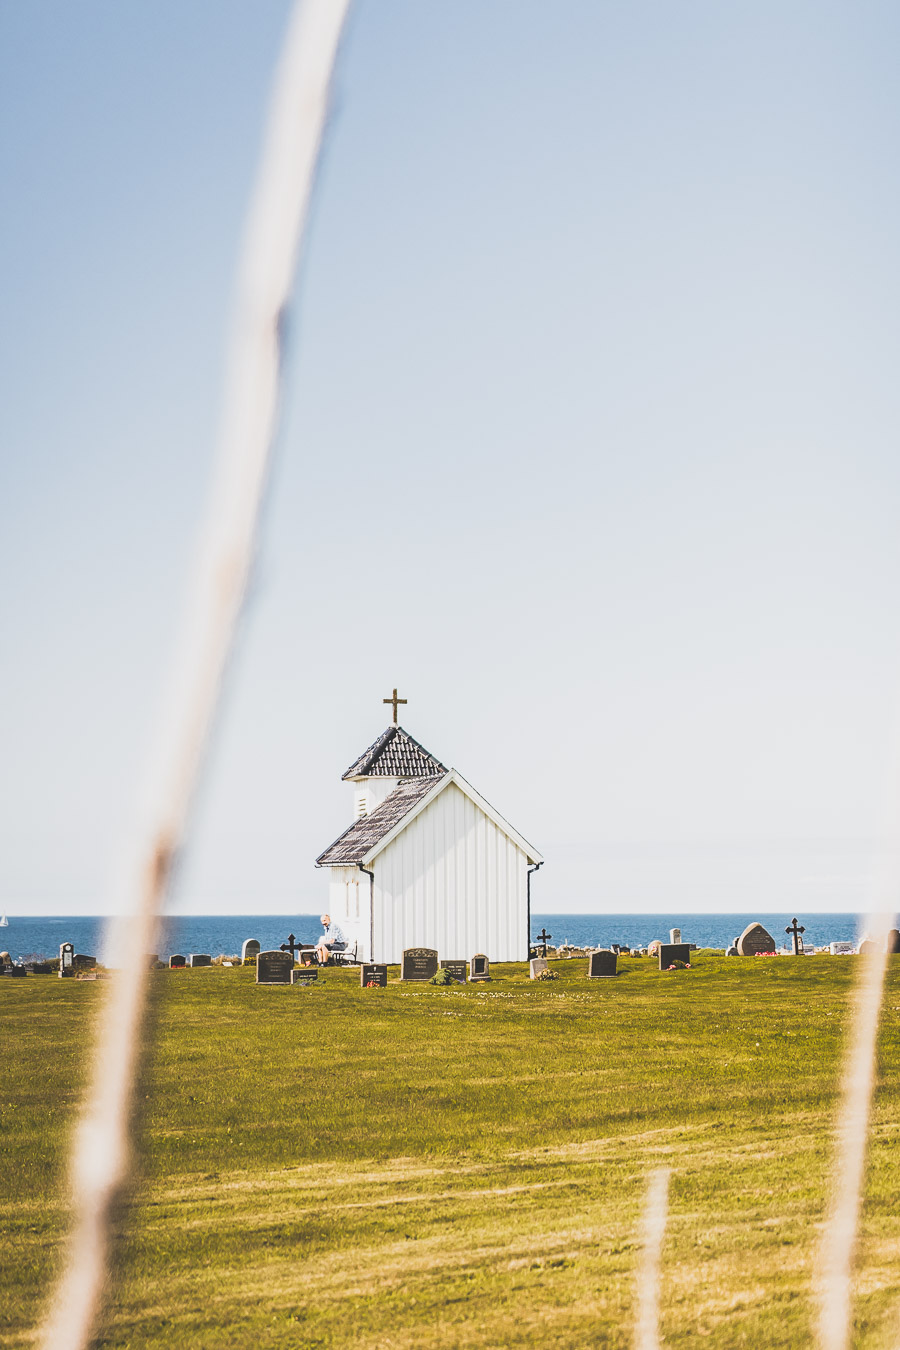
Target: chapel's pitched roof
395	755
362	836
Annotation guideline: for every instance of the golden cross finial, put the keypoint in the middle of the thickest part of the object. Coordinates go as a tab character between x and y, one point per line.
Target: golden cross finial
394	700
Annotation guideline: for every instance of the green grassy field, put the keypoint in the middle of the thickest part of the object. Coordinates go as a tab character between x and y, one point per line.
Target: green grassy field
420	1166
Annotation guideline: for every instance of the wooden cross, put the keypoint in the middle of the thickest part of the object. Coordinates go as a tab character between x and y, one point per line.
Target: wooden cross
394	700
795	930
544	937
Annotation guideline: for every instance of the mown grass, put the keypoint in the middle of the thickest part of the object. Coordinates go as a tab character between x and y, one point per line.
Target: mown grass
427	1167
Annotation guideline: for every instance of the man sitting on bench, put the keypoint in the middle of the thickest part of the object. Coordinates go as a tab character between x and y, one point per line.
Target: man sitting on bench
332	940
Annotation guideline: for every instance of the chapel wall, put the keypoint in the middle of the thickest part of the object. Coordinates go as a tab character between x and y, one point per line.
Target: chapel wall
454	881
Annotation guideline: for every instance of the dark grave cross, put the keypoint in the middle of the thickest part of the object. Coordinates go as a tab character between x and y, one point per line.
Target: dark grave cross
289	946
543	937
795	930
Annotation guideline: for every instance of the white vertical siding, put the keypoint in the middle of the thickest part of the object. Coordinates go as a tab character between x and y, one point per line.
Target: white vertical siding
452	880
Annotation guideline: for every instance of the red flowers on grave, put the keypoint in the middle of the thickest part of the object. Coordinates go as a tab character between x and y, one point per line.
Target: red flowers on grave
679	965
372	984
765	953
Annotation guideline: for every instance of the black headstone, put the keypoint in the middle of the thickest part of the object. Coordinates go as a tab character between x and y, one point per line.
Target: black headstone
177	962
304	975
15	972
199	959
456	968
274	968
601	965
479	967
674	951
39	967
84	962
373	974
419	963
893	942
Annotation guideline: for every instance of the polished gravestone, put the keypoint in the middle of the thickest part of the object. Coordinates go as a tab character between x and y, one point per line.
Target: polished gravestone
304	974
754	941
82	962
66	959
250	950
673	951
200	959
419	963
601	965
479	967
457	969
177	962
372	973
274	968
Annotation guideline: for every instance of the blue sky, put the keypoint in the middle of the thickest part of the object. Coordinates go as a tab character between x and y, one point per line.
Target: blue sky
590	443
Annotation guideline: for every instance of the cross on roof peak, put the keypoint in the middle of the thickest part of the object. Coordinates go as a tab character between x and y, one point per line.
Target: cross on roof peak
394	700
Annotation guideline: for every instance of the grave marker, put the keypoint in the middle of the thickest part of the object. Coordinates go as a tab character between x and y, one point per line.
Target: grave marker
673	951
177	962
841	948
893	942
81	962
601	965
199	959
675	936
274	968
373	974
457	969
419	963
304	974
479	967
754	941
250	950
66	959
537	965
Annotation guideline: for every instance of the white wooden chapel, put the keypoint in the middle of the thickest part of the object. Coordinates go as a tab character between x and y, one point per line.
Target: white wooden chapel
427	862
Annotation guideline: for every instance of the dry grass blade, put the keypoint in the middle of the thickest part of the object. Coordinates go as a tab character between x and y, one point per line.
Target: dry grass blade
296	121
839	1238
656	1210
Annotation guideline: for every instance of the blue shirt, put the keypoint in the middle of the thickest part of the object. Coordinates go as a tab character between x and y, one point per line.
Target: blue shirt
332	934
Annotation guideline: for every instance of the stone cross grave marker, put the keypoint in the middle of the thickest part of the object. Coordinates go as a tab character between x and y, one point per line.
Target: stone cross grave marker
66	959
199	959
479	967
754	940
274	967
457	969
373	974
673	951
250	950
537	965
543	938
419	963
601	965
177	962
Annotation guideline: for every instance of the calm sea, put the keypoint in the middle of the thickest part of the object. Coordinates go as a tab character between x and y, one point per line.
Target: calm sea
217	935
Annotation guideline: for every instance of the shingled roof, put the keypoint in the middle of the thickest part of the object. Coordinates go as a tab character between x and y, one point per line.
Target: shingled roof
362	836
395	755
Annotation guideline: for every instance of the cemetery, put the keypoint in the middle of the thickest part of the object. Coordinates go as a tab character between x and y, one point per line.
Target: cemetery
357	1155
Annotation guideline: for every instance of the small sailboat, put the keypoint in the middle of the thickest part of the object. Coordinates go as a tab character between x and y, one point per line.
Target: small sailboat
4	921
